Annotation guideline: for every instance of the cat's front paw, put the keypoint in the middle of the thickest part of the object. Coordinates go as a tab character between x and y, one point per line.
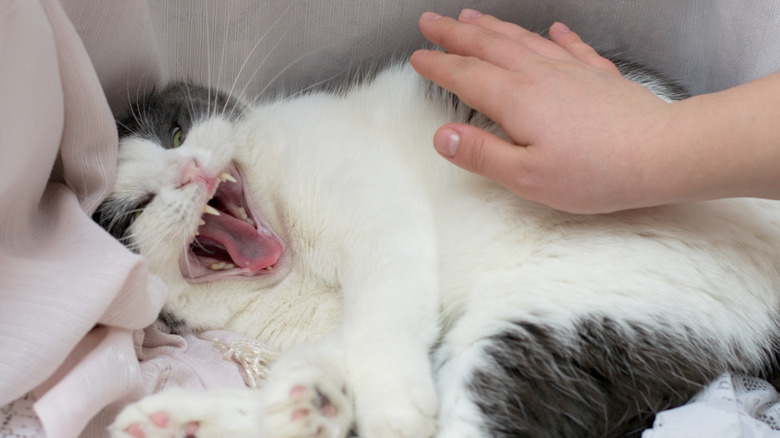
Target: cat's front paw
306	396
395	396
178	413
404	409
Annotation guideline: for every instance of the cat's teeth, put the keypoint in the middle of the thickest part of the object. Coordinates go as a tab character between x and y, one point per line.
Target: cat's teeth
196	233
217	266
245	217
229	266
268	268
201	222
224	176
210	210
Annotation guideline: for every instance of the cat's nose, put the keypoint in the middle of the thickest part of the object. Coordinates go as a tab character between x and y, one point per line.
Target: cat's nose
191	172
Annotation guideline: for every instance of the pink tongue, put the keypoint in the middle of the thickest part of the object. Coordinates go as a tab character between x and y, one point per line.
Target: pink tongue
246	246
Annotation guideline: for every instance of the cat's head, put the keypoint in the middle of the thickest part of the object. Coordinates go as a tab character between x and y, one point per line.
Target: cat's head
180	198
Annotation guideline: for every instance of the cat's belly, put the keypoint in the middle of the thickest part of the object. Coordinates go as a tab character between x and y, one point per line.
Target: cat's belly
715	261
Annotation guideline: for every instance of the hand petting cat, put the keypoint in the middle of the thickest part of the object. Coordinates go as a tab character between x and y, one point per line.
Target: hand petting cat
582	138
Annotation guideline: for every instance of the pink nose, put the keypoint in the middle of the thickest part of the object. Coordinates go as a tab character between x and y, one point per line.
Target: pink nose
191	173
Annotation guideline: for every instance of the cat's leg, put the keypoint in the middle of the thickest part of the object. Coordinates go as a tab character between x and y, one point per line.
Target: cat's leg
460	355
179	413
390	323
307	395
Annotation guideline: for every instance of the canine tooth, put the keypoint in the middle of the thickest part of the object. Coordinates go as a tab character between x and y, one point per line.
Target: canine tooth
229	266
196	233
224	176
210	210
201	222
217	266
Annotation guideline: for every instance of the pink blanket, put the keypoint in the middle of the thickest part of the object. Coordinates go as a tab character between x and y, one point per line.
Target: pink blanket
73	301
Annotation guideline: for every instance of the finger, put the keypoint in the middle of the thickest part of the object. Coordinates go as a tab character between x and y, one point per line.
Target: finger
510	30
471	40
572	43
483	153
481	85
531	40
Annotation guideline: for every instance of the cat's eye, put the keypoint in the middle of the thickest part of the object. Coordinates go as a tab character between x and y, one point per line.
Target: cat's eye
177	137
136	213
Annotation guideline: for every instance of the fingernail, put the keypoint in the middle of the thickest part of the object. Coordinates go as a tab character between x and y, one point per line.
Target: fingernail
560	27
469	14
419	52
448	145
430	16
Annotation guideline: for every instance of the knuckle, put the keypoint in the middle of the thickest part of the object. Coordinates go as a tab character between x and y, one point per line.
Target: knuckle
476	158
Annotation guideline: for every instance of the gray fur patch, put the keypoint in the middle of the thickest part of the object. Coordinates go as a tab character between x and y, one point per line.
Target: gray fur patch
609	379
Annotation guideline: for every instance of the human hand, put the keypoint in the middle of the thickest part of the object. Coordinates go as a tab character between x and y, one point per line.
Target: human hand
583	139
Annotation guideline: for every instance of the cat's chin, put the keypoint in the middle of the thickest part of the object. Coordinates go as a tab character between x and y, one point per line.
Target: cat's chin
233	240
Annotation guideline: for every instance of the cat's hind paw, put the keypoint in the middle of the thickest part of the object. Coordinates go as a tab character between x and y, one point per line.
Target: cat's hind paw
177	413
306	396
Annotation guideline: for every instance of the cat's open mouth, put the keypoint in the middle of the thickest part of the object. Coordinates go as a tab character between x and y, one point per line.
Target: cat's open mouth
233	240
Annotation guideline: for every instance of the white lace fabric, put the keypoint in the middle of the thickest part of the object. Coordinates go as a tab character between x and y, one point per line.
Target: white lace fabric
732	406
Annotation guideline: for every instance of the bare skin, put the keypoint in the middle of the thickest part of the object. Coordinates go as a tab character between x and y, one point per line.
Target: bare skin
583	138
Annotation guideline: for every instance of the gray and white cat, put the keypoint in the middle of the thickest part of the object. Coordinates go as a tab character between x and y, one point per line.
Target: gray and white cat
415	299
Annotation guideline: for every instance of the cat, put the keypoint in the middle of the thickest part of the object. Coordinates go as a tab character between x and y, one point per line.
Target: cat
410	298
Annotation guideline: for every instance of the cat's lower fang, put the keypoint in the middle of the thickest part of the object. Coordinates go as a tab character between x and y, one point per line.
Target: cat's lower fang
224	176
245	217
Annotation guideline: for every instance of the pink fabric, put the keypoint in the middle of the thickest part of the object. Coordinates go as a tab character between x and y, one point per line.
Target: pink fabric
71	295
73	301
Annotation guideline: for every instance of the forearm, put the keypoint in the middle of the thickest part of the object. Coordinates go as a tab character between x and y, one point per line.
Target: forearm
724	144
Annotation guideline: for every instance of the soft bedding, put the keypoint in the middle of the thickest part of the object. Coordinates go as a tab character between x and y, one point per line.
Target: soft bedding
76	308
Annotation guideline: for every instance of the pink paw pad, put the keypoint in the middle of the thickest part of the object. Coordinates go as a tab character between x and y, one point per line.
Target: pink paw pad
300	413
136	430
160	419
297	392
191	429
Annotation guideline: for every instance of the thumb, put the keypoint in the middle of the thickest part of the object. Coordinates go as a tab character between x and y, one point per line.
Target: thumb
481	152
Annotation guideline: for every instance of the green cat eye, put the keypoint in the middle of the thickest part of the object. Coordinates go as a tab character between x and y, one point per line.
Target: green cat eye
177	137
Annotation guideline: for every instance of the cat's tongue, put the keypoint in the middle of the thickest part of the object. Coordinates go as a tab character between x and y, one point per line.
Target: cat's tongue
248	248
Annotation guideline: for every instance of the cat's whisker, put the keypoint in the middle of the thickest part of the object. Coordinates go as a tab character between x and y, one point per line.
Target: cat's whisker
316	84
251	52
208	59
222	61
281	72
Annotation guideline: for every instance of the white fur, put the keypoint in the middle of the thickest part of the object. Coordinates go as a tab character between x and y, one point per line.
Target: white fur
386	243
